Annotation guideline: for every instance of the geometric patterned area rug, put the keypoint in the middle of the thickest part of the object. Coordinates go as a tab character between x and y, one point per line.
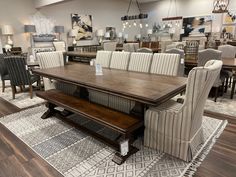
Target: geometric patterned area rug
22	99
74	153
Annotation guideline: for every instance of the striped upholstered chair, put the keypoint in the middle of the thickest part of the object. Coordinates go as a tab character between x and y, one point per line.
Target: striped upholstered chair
167	64
103	58
3	71
140	62
176	128
181	53
50	60
120	60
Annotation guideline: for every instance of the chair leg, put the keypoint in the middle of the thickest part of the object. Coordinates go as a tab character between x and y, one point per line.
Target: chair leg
233	88
21	88
226	84
216	93
31	91
13	88
3	85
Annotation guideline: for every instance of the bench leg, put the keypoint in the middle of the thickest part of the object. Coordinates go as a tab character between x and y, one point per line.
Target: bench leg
50	112
119	159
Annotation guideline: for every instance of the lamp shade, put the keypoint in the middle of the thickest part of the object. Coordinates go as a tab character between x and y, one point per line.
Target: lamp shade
107	34
149	31
73	33
59	29
100	32
126	36
7	30
120	35
30	29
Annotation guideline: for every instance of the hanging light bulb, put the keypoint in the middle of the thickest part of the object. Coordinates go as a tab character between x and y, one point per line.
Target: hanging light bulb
135	24
126	23
141	25
146	25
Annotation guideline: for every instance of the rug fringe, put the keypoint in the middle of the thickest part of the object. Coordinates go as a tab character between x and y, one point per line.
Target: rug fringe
206	149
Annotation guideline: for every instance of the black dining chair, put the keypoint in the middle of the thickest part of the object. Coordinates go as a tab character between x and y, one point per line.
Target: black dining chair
19	74
3	71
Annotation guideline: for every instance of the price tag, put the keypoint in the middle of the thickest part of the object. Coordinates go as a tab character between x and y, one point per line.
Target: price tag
124	147
182	61
26	67
98	69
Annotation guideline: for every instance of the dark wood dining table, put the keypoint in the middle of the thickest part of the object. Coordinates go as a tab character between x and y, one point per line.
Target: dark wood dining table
149	89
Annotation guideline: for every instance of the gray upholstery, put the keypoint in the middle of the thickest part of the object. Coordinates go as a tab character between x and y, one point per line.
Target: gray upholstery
176	128
228	51
3	71
181	53
167	64
128	47
109	46
18	73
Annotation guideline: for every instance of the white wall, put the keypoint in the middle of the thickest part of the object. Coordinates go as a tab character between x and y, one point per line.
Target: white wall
105	13
16	13
158	10
41	3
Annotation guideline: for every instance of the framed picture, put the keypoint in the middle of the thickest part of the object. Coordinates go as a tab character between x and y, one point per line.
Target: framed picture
228	31
197	25
112	32
229	18
83	25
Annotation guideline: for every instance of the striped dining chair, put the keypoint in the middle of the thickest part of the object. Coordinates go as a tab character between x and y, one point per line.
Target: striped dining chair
165	63
140	62
175	128
120	60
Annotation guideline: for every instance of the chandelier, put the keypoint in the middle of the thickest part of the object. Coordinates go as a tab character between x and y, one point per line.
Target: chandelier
220	6
134	17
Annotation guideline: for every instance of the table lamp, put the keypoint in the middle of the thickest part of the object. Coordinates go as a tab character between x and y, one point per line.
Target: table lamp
100	34
73	34
30	29
107	35
59	30
7	30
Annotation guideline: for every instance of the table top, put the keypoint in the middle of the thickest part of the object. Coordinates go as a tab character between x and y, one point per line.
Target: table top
81	54
145	88
227	63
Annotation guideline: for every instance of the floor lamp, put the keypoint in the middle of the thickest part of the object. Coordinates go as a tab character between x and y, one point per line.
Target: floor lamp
30	29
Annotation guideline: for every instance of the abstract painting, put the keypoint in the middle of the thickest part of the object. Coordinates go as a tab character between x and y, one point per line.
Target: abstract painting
229	18
83	25
197	25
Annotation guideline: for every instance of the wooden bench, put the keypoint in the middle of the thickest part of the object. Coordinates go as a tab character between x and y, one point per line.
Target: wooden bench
123	123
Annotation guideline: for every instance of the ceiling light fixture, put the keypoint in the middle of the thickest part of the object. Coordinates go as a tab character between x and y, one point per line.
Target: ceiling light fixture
220	6
134	17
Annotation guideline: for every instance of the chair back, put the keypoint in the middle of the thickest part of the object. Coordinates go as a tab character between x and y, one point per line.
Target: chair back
208	54
103	58
228	51
3	68
140	62
144	50
120	60
200	81
181	54
167	64
59	46
145	44
109	46
18	70
129	47
191	50
50	59
136	46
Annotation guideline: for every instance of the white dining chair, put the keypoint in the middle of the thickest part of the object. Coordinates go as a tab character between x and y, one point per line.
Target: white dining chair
140	62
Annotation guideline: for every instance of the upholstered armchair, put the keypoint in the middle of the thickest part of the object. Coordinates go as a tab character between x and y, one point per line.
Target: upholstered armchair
50	60
3	71
109	46
165	63
19	74
128	47
140	62
59	46
175	128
